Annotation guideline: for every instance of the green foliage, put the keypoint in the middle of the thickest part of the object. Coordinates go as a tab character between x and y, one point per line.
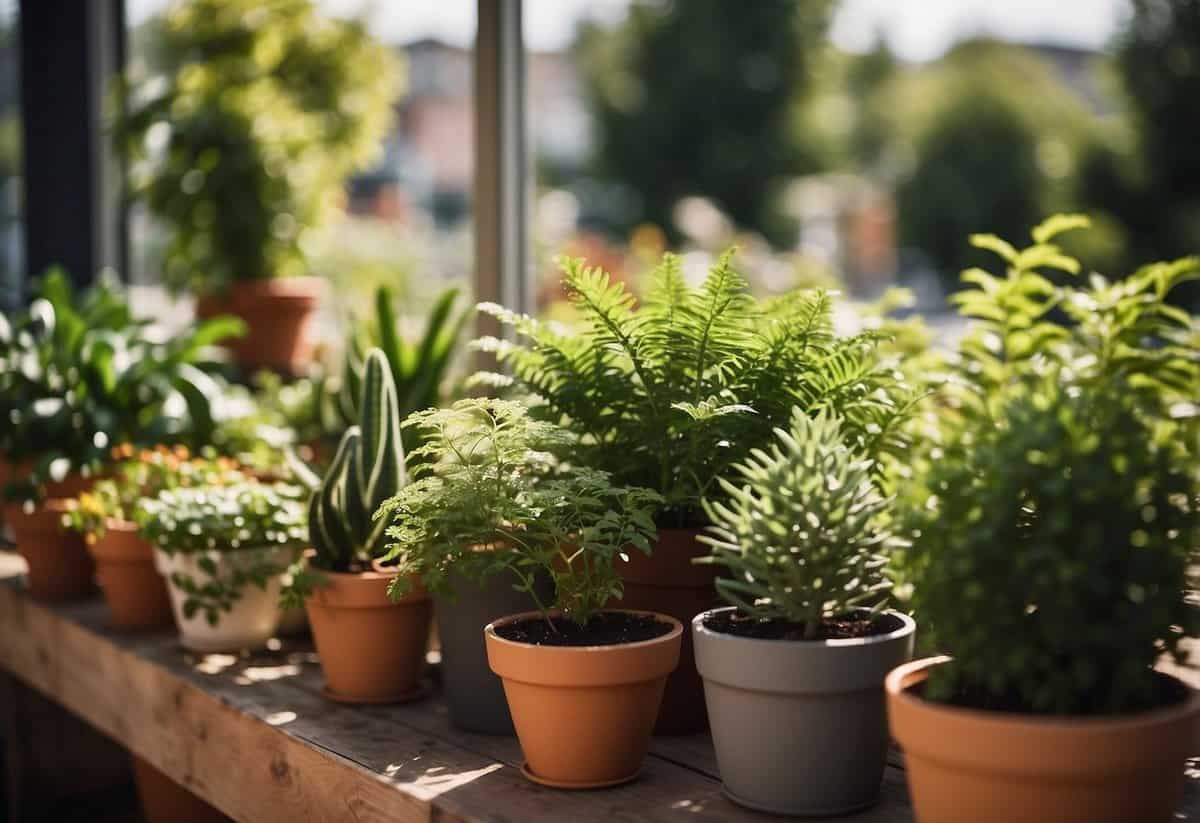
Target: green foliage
419	368
144	473
1053	512
493	493
244	521
670	393
695	98
367	470
803	535
244	126
78	375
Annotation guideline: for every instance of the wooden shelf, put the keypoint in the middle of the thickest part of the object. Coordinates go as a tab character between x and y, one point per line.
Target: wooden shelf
253	736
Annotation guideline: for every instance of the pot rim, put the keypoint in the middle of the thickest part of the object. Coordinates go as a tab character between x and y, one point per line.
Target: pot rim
900	681
909	627
676	631
117	524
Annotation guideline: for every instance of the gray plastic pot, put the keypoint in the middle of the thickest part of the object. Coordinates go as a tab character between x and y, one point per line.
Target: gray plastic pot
474	694
800	727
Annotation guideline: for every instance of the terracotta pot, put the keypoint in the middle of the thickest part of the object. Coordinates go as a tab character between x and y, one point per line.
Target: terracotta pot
371	649
165	801
59	565
668	582
133	589
583	715
997	767
254	616
278	314
800	727
71	486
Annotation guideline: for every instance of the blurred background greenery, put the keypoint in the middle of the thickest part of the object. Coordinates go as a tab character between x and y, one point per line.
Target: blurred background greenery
813	133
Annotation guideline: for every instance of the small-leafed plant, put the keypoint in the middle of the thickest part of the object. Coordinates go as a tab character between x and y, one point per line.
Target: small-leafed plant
249	518
803	534
141	473
367	470
1052	562
670	392
495	493
1053	515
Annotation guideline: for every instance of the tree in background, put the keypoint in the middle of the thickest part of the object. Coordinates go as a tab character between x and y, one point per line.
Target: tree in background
1148	176
694	98
995	140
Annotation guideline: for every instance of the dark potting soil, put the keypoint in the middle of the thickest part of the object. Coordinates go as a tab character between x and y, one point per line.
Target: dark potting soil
605	629
832	628
1166	691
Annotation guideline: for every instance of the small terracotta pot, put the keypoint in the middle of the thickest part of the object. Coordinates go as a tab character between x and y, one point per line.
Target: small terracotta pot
998	767
583	715
165	801
59	565
668	582
135	592
371	649
278	313
71	486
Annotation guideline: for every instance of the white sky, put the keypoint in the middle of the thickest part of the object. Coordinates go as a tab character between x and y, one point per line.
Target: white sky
916	29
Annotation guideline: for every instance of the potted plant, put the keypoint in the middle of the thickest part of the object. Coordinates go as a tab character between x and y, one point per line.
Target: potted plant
476	464
78	373
243	127
372	649
134	591
1051	554
224	550
583	682
670	391
794	669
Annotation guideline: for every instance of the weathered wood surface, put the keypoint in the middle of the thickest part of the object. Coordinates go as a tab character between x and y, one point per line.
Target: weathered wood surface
253	736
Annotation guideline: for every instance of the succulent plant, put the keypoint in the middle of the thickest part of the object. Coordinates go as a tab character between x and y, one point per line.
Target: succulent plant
804	536
367	469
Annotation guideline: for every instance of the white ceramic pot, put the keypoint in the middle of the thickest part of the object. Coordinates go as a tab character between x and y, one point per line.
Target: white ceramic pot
254	615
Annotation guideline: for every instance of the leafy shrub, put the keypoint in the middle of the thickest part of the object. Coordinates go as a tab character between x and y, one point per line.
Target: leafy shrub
78	375
1054	514
803	536
671	392
493	494
244	125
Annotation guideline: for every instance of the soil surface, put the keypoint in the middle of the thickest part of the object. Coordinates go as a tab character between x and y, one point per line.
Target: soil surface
833	628
605	629
1167	692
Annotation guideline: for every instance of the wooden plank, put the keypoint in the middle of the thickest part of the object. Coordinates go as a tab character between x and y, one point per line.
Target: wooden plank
254	738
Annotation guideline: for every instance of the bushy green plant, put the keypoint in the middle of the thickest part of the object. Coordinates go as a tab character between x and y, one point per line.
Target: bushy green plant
493	493
140	473
243	126
418	368
670	392
250	519
804	534
79	374
1053	511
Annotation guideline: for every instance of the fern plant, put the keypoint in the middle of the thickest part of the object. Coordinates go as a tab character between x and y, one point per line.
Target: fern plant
803	535
367	470
494	493
670	392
